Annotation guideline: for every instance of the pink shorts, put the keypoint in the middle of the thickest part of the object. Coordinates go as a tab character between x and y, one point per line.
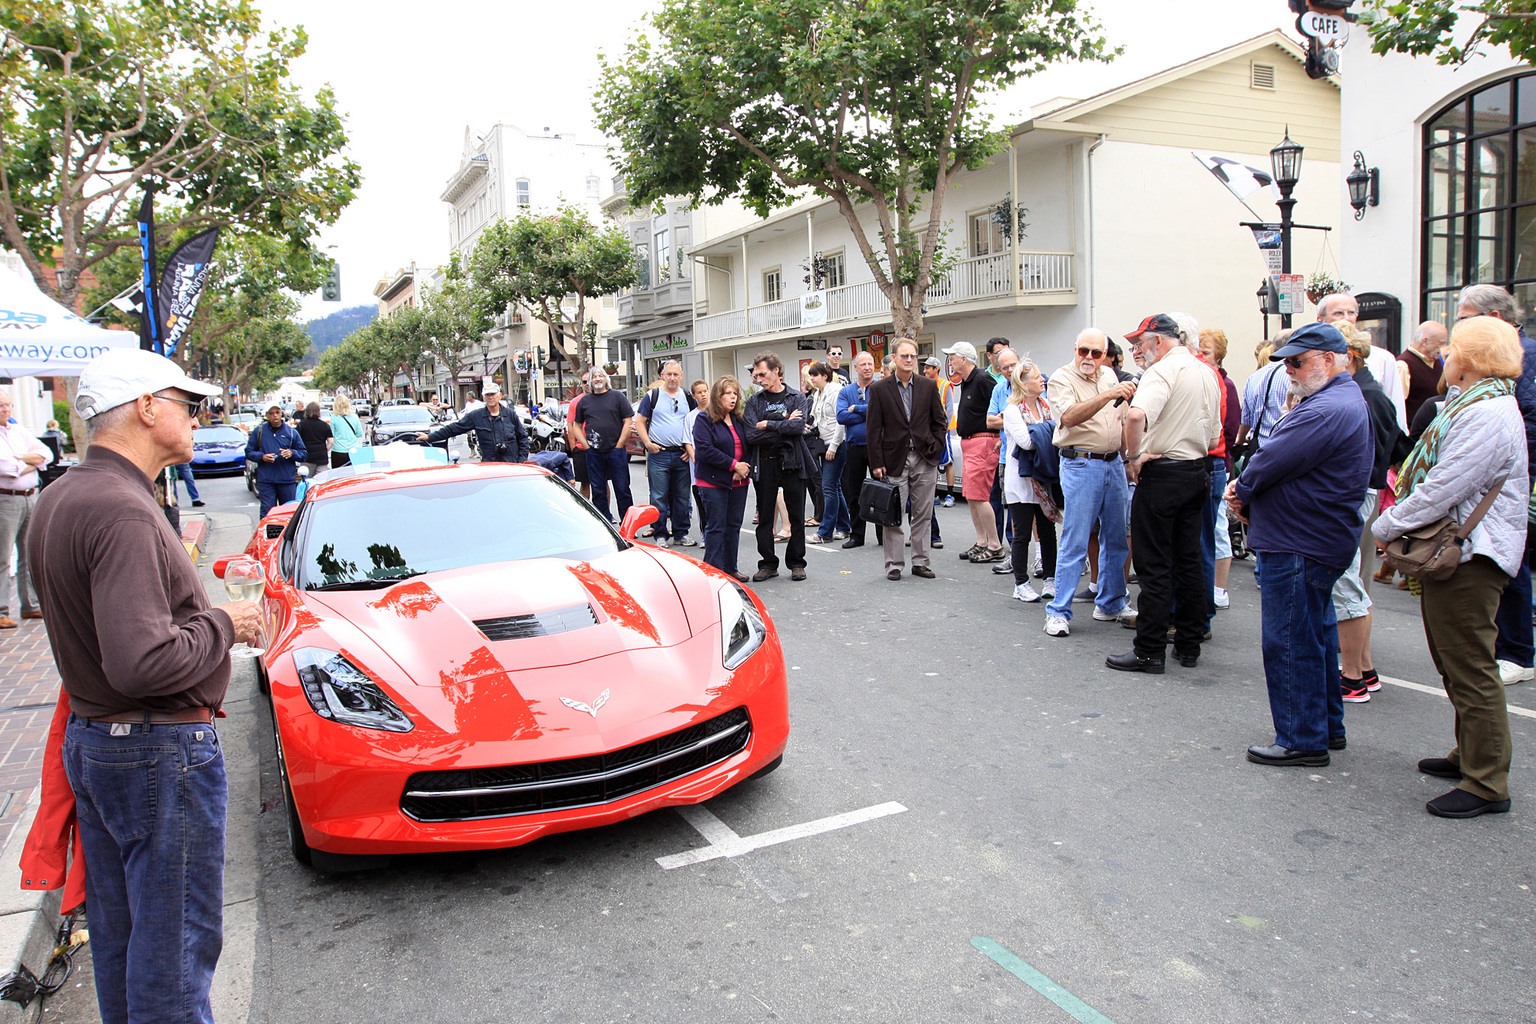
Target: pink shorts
980	455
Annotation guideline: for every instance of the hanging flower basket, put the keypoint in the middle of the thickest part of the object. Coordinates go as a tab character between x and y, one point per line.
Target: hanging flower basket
1322	284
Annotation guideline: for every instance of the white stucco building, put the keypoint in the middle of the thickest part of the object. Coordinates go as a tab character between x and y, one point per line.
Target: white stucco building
1456	153
1122	222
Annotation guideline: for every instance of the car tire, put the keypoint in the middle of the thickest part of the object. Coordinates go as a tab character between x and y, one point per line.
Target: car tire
250	483
296	844
767	769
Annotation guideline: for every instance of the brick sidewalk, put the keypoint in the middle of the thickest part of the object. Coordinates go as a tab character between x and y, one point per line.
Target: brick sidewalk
29	690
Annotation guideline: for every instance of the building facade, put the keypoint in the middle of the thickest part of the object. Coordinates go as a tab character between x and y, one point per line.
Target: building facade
1119	221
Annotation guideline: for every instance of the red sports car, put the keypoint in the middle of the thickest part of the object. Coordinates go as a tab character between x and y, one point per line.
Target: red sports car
467	657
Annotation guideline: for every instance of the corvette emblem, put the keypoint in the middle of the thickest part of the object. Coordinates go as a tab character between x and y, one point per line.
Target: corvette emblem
591	709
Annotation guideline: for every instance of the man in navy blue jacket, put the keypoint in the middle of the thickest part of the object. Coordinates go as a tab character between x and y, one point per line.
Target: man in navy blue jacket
277	451
852	407
1300	497
774	427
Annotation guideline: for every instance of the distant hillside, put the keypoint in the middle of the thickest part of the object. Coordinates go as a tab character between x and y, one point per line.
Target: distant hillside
330	330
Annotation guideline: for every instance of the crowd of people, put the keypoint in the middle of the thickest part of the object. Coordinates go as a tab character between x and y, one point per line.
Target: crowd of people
1093	477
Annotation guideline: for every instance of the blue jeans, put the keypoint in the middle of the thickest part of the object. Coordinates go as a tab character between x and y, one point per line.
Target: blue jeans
1301	650
609	467
834	516
271	495
725	508
1210	522
151	807
185	472
1514	616
1092	490
667	475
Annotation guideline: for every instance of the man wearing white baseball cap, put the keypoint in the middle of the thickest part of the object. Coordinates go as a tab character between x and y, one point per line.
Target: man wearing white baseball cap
145	662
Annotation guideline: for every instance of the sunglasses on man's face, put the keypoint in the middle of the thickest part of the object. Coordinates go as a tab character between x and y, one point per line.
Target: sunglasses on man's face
1091	353
1296	362
195	407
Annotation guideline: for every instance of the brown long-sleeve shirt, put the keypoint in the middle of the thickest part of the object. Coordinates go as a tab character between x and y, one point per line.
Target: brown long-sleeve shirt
130	625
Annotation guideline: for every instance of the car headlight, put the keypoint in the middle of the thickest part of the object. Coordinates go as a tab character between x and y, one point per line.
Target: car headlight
741	627
342	692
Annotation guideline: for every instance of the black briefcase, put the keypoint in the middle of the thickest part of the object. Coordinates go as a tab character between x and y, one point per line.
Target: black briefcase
880	503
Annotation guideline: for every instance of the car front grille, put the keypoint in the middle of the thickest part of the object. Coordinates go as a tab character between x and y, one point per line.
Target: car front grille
472	793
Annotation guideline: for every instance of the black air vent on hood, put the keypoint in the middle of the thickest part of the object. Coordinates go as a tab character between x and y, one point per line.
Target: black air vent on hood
521	627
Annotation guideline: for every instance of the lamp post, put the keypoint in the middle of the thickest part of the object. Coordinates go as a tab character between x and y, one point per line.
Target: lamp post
1264	294
1285	161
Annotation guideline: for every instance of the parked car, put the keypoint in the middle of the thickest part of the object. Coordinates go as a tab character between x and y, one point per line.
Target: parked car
246	421
400	423
422	704
218	449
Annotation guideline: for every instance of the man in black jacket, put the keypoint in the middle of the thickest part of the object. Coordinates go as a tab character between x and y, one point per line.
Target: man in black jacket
775	428
497	428
908	429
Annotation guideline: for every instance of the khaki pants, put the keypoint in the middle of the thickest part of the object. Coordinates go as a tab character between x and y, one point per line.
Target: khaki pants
917	486
1458	621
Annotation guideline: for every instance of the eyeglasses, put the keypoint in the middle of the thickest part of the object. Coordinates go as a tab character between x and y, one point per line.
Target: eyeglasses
676	406
906	355
1095	353
1294	362
195	408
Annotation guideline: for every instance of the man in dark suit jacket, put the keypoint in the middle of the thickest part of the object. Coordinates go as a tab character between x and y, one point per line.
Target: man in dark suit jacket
906	424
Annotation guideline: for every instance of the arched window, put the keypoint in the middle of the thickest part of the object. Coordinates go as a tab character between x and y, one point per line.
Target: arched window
1480	196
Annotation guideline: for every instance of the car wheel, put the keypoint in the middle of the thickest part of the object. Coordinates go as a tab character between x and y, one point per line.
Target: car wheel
250	483
296	844
767	768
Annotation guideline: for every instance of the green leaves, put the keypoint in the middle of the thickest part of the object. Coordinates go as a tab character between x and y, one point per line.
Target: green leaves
1429	27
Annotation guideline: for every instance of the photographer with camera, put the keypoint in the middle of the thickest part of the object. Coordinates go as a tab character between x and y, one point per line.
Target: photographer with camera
498	431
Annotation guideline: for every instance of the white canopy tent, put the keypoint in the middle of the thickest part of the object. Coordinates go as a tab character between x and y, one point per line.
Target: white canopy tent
40	338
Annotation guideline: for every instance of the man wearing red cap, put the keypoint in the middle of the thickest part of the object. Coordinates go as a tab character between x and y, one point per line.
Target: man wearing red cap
1173	423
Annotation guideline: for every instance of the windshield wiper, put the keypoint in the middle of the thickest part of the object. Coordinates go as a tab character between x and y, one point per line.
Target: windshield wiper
369	583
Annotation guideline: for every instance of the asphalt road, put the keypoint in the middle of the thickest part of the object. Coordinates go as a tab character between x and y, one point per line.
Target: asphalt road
1103	829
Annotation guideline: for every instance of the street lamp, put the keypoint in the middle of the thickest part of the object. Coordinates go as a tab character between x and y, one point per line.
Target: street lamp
1364	186
1264	295
1285	160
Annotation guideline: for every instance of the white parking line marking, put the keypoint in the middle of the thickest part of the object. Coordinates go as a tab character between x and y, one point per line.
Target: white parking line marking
1514	709
725	843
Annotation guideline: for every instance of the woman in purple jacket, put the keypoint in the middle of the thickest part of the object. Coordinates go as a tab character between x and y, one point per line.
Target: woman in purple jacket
720	455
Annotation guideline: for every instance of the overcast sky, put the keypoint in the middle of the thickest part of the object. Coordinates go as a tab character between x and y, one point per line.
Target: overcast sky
409	78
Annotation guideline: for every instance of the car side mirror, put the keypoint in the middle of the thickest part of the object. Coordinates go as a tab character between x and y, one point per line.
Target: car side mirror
636	519
220	564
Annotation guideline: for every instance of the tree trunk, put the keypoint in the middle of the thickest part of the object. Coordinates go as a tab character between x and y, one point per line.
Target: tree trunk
907	321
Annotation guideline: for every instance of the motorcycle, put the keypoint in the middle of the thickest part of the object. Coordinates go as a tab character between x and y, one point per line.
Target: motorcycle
546	432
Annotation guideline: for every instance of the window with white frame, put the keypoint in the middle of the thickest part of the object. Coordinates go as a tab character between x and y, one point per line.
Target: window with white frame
524	196
663	255
986	235
837	270
593	184
773	285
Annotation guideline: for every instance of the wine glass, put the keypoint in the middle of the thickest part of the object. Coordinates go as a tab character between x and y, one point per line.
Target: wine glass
244	581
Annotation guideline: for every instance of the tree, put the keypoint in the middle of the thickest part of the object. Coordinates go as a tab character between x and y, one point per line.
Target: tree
540	260
457	314
361	363
100	97
868	103
1426	27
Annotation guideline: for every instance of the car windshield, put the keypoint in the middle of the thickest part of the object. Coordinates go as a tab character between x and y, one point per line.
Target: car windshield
360	541
398	414
218	435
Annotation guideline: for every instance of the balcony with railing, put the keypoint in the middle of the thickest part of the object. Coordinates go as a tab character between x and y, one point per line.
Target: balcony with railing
1041	274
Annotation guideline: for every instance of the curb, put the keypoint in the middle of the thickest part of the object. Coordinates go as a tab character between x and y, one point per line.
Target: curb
29	919
194	534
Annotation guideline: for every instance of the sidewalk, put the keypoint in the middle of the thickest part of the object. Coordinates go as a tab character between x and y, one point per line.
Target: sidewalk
29	689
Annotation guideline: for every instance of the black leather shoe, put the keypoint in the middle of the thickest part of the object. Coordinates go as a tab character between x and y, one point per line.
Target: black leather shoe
742	577
922	572
764	574
1458	803
198	503
798	576
1188	660
1134	662
853	542
1338	743
1440	768
893	575
1284	756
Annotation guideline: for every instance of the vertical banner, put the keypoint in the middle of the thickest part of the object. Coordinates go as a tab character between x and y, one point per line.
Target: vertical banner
813	309
181	285
149	319
1267	238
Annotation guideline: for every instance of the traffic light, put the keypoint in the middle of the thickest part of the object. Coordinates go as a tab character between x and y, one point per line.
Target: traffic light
331	290
520	361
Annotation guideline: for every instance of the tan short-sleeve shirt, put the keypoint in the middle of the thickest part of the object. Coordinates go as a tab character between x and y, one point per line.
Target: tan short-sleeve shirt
1182	401
1100	432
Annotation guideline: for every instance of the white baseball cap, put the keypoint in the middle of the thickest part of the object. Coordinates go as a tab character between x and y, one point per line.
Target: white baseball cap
491	389
123	374
963	349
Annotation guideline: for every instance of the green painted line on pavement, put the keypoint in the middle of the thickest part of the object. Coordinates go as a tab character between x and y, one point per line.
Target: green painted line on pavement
1079	1010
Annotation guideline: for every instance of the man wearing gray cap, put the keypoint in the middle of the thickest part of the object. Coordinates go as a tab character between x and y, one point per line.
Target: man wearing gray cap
499	431
144	659
1300	496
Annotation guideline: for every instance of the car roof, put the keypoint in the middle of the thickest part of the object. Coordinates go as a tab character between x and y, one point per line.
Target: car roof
365	481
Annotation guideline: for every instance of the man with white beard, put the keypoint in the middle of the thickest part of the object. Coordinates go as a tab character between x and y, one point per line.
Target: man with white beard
1300	496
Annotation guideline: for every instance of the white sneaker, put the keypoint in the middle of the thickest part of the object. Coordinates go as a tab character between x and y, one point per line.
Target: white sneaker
1100	615
1048	588
1093	588
1037	566
1511	673
1222	600
1025	592
1056	625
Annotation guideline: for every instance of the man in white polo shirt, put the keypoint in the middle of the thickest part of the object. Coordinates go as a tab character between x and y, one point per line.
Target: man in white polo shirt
21	455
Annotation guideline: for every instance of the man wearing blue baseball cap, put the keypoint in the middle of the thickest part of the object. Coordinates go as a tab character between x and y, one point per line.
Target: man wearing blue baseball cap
1300	497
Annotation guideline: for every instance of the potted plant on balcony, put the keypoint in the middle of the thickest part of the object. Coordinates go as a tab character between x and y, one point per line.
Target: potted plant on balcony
610	368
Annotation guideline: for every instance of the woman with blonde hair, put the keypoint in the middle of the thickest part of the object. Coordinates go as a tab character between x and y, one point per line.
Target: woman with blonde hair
723	472
1028	497
1474	448
346	432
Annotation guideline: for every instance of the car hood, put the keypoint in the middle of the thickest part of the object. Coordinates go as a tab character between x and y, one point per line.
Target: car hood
428	625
